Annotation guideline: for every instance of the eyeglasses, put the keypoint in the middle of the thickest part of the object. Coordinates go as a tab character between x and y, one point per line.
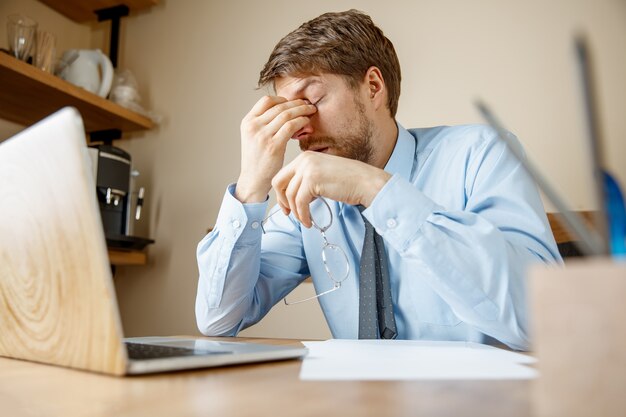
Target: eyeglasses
334	258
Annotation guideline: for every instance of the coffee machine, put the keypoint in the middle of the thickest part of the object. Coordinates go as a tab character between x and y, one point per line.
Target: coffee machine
112	171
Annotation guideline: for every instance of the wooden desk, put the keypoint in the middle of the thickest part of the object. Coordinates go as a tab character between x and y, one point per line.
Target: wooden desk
270	389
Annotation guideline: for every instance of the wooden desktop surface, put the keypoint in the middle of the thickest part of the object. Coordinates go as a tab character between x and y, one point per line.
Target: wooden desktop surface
268	389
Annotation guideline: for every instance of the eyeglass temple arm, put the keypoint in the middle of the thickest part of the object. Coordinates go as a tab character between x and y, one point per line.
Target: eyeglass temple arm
335	287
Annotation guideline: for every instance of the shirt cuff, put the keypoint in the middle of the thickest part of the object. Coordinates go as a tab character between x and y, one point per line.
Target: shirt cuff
398	212
238	221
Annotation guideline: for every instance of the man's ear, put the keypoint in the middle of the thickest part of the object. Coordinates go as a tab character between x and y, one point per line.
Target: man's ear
375	86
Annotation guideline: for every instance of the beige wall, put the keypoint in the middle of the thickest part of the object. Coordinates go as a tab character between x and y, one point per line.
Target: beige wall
197	64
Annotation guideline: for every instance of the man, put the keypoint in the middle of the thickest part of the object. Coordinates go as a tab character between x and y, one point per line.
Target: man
459	218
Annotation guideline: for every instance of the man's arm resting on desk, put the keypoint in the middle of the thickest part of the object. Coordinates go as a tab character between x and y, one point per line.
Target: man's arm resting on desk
475	259
237	286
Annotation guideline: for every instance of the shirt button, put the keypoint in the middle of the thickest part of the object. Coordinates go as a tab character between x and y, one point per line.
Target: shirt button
391	223
236	224
255	225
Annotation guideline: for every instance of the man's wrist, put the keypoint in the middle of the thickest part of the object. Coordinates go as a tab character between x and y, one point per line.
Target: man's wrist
373	186
246	194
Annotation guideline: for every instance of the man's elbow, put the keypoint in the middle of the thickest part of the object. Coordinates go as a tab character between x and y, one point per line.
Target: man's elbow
215	327
521	344
517	338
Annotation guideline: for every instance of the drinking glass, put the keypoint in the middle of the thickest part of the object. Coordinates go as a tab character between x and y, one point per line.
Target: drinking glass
22	31
45	51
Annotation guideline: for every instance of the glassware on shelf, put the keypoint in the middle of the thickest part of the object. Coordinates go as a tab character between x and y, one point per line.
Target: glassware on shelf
45	53
22	31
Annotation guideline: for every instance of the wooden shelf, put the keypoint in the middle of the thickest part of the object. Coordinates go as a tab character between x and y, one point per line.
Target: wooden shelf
28	94
82	11
561	232
126	258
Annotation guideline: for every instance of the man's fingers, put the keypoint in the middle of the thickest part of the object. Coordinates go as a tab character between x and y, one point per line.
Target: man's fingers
265	103
280	122
295	107
280	183
286	131
286	210
291	192
302	202
281	198
287	116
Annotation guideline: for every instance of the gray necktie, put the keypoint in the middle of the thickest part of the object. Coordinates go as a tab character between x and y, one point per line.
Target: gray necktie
375	304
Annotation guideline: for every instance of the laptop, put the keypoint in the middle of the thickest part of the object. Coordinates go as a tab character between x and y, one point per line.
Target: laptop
609	234
57	301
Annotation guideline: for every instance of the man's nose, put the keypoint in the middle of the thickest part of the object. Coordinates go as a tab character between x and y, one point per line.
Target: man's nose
303	133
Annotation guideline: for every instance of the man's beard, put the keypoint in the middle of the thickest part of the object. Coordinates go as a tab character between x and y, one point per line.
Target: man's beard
357	145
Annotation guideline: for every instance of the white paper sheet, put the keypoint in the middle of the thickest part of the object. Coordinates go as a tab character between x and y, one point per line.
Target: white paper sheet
338	359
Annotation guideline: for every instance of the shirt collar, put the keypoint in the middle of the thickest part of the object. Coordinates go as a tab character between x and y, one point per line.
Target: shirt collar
403	155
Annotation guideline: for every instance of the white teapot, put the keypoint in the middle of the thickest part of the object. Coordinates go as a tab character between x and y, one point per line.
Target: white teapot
91	70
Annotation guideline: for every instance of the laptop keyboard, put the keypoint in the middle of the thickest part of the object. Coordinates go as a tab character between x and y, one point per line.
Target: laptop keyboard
141	351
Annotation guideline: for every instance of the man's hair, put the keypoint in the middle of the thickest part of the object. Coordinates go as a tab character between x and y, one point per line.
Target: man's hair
345	43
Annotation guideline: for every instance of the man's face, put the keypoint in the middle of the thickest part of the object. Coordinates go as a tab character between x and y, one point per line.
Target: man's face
340	126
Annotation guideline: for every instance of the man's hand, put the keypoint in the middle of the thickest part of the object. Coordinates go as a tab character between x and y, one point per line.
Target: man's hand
314	174
265	131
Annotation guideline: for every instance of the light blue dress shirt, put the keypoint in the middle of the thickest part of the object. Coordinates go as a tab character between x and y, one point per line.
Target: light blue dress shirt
461	221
